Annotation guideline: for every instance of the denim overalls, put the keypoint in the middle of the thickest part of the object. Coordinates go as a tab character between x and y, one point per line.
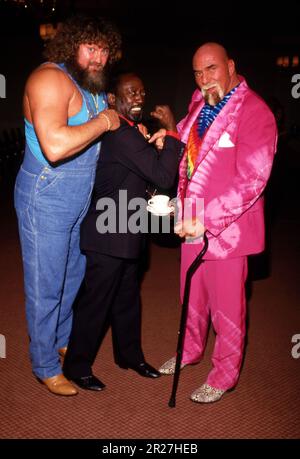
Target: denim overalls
51	203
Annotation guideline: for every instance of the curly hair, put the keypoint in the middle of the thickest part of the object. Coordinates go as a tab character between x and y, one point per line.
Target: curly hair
81	29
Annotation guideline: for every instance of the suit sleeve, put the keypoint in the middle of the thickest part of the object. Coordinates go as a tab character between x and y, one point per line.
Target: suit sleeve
136	154
256	146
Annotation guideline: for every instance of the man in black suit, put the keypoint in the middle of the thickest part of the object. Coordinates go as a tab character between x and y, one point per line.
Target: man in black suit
111	292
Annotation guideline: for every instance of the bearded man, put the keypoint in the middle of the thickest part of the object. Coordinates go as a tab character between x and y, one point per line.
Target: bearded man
65	112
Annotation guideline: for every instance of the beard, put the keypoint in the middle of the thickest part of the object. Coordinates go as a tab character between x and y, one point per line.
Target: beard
215	97
92	81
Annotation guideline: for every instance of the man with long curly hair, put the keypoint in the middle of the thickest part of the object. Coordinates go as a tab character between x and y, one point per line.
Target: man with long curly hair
65	112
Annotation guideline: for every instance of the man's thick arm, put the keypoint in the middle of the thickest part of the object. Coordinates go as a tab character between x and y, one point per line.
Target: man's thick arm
49	95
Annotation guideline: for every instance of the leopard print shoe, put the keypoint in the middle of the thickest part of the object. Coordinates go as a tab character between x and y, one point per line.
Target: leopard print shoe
207	394
168	368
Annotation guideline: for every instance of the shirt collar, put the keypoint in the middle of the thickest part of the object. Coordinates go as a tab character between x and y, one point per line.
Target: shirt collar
131	123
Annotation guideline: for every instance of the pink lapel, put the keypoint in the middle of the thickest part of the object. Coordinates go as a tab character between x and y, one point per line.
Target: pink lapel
225	118
185	125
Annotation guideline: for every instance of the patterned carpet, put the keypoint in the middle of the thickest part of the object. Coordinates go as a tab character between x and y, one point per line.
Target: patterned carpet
265	403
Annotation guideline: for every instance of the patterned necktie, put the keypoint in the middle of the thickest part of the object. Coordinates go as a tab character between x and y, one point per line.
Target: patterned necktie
192	147
199	129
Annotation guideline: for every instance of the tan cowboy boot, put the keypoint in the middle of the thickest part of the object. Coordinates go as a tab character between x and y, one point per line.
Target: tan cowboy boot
59	385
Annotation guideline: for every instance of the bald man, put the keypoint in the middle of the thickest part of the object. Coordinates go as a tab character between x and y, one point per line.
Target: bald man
230	136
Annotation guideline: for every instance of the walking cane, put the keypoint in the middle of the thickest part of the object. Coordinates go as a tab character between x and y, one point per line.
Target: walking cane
188	278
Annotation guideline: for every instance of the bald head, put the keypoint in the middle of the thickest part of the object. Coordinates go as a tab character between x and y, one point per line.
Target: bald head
214	72
212	48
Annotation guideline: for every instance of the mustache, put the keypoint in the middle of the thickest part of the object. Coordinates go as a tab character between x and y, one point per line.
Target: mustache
96	65
211	85
212	99
91	81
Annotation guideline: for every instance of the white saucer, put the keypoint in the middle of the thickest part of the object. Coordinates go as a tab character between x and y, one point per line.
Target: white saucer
160	214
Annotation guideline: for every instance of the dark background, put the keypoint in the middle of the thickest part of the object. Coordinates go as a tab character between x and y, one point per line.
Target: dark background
159	39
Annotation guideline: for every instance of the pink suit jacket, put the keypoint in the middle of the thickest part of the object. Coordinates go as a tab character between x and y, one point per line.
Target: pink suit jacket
231	172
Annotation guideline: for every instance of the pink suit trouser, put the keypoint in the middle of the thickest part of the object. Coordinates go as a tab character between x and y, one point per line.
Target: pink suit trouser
217	292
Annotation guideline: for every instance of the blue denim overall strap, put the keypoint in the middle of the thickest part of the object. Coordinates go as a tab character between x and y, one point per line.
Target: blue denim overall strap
51	203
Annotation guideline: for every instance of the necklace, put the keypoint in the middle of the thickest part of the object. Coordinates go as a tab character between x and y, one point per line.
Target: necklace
96	102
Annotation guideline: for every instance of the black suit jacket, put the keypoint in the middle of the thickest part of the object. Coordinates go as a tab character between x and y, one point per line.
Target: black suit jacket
126	162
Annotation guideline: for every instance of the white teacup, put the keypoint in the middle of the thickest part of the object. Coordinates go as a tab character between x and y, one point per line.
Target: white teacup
159	203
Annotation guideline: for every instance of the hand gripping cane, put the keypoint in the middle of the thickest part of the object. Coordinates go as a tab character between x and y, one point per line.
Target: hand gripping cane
190	272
